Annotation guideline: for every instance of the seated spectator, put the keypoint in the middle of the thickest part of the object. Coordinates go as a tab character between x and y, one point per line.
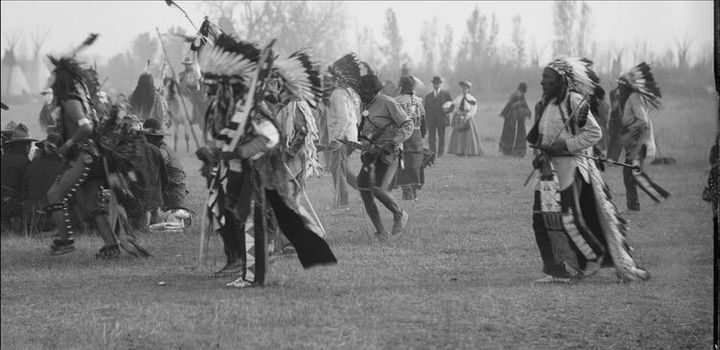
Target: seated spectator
12	170
174	191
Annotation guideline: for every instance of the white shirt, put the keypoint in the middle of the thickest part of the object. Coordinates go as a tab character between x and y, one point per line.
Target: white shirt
552	128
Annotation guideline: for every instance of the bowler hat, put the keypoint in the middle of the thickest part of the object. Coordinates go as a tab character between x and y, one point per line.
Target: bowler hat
187	60
465	83
437	80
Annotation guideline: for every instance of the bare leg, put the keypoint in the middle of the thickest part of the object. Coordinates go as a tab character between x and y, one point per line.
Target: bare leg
387	200
372	210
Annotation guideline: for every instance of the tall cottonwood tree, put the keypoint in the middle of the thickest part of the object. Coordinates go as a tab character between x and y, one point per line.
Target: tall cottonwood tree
428	40
446	54
294	24
518	40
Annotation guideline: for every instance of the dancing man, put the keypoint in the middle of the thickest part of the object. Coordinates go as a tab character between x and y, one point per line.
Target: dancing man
636	93
383	129
238	74
577	227
80	183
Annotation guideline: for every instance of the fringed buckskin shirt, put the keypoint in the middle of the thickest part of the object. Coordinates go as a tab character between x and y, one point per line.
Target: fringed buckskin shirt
552	128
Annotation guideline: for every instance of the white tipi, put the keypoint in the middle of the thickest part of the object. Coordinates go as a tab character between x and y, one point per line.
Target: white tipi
14	82
38	74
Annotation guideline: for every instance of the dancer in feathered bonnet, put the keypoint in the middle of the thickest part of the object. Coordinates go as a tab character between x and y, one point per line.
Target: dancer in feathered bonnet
577	227
241	121
635	96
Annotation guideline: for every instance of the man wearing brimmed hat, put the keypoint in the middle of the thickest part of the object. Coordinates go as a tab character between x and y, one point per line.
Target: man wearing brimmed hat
175	190
437	118
12	170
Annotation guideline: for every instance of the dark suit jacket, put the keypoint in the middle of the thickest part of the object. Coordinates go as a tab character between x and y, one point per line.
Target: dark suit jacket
433	107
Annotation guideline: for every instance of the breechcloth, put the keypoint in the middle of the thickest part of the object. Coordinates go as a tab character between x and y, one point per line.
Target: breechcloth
79	184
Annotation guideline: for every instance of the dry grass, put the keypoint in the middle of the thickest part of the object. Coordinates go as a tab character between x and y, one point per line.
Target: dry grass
461	278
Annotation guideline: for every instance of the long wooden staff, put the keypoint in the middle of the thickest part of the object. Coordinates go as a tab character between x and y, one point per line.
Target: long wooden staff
182	100
302	189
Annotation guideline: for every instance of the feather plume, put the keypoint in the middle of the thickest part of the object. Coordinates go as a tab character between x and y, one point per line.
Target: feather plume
641	80
169	2
347	71
206	35
301	77
85	44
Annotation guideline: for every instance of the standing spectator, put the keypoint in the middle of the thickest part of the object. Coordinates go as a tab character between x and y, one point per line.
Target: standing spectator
464	140
410	174
437	118
516	111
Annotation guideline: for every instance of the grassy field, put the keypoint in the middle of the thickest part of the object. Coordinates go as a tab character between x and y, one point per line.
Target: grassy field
460	278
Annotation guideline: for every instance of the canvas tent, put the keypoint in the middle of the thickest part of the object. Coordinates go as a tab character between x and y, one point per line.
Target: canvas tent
14	82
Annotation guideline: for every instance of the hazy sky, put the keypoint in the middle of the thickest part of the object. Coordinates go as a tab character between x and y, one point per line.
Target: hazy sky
660	23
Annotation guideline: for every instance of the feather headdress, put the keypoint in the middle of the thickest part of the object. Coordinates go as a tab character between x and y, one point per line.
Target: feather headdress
347	70
300	76
578	74
641	80
229	60
69	63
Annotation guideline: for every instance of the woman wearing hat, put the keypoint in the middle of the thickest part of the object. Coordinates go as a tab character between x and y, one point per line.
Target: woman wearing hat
464	140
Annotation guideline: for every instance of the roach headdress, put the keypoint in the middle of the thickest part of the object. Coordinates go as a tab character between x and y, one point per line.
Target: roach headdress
578	74
69	71
300	76
641	80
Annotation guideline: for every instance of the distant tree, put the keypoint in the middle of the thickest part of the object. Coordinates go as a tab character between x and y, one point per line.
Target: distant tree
144	47
563	23
294	24
518	40
682	47
368	48
583	30
446	47
428	40
393	49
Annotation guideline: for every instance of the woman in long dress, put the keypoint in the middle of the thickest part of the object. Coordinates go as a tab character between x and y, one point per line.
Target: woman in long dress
464	140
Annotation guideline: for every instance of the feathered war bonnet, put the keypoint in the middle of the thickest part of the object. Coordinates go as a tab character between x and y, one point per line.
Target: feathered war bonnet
68	71
346	71
578	75
300	77
641	80
229	60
